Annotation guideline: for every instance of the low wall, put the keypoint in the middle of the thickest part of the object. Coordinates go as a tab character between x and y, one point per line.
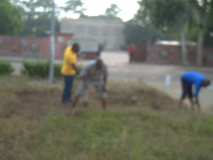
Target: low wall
169	54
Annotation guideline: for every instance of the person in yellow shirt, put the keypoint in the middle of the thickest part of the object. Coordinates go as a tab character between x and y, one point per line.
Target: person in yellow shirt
69	71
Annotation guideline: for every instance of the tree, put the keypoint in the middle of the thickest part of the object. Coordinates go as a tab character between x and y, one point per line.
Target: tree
37	16
112	11
168	16
10	18
76	6
203	21
137	34
191	17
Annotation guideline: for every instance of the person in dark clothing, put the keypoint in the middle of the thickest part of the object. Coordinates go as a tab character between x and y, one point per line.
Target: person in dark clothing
192	83
100	50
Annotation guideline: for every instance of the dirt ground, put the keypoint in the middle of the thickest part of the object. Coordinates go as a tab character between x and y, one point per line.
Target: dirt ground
155	75
34	99
151	74
139	123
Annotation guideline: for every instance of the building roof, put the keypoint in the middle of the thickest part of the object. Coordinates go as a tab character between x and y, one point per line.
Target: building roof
174	43
95	18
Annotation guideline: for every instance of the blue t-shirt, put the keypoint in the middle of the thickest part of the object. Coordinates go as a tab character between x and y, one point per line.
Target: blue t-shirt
194	78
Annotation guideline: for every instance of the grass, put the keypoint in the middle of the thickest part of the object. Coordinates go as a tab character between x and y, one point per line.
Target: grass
140	123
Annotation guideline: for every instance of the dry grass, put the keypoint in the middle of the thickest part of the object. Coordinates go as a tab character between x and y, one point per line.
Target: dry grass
140	123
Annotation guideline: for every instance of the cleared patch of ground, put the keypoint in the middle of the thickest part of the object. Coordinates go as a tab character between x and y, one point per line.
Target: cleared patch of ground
139	123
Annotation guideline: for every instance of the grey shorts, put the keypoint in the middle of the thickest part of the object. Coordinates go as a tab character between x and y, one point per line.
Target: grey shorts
86	86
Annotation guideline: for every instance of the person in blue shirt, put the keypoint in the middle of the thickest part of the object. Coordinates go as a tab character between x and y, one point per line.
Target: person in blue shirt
192	83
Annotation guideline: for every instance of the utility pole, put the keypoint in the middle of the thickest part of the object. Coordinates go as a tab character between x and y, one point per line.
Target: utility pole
53	46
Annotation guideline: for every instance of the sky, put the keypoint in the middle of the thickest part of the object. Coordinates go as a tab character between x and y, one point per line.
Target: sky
97	7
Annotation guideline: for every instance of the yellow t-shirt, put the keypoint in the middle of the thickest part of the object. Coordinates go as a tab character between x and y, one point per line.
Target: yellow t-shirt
69	59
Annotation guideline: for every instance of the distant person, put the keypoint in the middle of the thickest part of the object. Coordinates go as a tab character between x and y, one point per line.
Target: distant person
94	76
131	52
192	83
69	71
100	50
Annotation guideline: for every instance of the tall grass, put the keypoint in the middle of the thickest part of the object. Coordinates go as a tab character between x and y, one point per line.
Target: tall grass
35	126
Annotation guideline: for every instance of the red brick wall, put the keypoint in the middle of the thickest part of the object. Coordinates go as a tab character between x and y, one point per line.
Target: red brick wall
61	45
208	58
140	53
31	47
165	54
24	47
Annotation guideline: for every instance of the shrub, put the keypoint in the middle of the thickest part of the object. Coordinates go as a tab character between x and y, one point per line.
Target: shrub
5	68
39	69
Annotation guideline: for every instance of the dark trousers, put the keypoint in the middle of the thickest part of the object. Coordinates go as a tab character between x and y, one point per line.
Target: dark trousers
68	86
186	89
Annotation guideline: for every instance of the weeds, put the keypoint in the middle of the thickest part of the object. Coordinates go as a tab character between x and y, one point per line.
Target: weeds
33	126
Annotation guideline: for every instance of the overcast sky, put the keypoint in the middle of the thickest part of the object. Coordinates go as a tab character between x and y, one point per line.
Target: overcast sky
98	7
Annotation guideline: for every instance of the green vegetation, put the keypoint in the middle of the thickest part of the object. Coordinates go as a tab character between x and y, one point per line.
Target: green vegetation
5	68
112	11
10	18
133	33
140	123
39	69
179	19
75	6
37	14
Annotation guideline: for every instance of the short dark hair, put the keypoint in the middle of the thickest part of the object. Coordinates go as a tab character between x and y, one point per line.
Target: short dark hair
76	47
206	83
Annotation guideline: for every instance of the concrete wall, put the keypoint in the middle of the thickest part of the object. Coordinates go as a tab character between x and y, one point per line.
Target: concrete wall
93	31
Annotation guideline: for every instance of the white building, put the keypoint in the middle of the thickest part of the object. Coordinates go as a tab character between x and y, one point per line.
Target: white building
92	31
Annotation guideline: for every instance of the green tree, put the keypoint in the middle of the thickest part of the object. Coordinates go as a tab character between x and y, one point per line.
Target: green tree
112	11
167	16
203	10
37	16
76	6
191	18
137	34
10	18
